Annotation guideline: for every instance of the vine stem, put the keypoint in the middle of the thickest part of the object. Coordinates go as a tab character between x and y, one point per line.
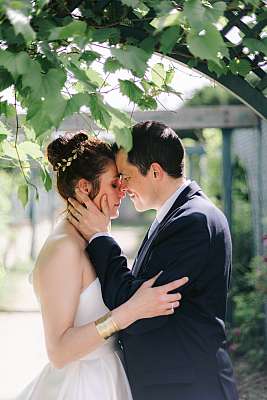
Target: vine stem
28	182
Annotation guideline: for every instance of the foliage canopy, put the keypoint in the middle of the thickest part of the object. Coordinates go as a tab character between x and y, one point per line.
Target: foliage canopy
49	49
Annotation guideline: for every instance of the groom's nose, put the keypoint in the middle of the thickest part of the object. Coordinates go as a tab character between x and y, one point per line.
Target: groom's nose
123	186
122	191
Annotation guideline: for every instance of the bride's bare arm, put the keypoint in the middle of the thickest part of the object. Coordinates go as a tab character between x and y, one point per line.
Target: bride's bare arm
59	280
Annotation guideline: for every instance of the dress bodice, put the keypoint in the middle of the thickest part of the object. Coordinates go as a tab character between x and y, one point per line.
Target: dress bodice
91	307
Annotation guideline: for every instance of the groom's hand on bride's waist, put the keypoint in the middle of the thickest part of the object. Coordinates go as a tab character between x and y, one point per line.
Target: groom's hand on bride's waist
86	217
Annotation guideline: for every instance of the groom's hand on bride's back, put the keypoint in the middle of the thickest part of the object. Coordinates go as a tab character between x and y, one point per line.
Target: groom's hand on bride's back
86	217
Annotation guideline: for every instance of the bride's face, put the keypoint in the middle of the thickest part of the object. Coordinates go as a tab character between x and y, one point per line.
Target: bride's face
110	186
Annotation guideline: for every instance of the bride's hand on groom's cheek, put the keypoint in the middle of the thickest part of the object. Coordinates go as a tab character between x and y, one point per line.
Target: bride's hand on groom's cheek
86	217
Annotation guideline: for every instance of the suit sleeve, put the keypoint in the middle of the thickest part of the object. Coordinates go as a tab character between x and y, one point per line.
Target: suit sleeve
117	282
181	249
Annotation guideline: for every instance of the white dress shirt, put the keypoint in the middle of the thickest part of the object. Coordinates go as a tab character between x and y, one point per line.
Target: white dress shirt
165	208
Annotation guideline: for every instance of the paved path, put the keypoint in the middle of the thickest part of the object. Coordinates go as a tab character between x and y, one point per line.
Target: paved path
22	349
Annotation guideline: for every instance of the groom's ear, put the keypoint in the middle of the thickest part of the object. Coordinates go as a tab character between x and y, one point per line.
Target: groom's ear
84	186
156	171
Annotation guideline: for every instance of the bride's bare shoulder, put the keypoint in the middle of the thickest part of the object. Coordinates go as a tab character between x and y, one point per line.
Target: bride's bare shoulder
61	251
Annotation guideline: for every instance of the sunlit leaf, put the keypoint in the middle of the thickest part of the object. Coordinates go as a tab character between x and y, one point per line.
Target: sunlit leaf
23	194
158	74
31	149
206	44
131	90
256	45
132	58
72	29
112	65
99	110
241	67
21	24
166	20
169	38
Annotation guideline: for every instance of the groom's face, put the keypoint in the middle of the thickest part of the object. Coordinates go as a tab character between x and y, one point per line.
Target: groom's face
138	187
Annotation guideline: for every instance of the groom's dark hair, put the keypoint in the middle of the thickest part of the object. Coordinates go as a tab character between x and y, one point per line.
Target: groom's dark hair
156	142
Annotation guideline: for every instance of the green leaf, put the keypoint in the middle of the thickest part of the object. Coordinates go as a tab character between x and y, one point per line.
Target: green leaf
7	109
131	90
106	34
6	79
207	44
99	110
120	125
141	10
16	63
158	75
31	149
46	178
10	151
148	103
43	115
21	24
4	130
75	103
3	136
169	76
41	3
29	132
112	65
214	11
165	21
81	76
95	78
200	16
23	194
219	69
90	56
169	38
131	3
132	58
241	67
33	77
147	85
256	45
65	32
53	81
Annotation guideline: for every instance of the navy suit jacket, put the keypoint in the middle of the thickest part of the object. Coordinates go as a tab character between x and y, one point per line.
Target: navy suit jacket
183	353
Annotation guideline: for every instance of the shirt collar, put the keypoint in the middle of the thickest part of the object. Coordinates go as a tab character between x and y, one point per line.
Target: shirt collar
162	212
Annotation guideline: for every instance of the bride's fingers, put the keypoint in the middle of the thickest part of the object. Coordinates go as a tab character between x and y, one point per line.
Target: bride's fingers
75	206
84	199
75	213
104	205
174	285
169	298
150	282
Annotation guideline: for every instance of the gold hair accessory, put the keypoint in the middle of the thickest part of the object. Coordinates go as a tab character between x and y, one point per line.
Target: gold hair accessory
67	162
106	326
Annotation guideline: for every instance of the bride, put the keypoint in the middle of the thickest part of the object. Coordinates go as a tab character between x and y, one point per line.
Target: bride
84	359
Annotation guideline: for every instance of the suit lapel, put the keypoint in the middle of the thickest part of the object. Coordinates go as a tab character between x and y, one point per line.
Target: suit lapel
142	252
187	193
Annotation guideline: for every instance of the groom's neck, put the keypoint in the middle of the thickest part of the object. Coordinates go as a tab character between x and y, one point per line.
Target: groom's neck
167	188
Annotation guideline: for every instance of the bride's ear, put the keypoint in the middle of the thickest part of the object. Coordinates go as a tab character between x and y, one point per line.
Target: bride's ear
84	186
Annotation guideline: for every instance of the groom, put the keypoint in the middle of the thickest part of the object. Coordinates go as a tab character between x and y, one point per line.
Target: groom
181	356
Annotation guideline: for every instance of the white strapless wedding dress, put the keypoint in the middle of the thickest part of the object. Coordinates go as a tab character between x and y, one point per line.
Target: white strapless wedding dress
97	376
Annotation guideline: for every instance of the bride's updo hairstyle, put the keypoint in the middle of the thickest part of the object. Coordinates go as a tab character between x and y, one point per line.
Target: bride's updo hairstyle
76	156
